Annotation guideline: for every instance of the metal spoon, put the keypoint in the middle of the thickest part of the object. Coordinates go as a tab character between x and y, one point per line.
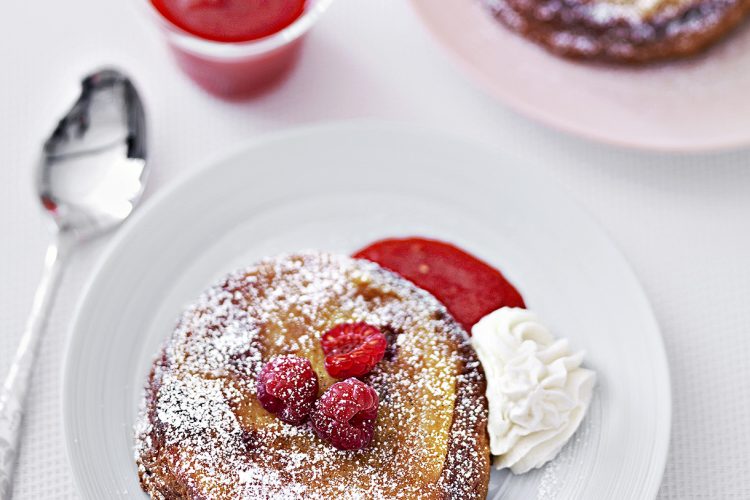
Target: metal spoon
89	179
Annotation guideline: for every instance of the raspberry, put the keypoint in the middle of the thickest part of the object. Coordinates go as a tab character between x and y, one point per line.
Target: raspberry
352	349
345	414
288	386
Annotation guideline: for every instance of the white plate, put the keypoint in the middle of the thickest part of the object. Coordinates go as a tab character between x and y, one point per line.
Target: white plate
338	188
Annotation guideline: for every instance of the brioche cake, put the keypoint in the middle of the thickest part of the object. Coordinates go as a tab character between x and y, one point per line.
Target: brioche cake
634	31
203	432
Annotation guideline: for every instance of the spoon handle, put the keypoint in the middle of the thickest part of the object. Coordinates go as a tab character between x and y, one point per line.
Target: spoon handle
15	387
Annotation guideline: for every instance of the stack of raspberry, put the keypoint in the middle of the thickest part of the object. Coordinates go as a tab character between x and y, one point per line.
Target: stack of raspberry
345	414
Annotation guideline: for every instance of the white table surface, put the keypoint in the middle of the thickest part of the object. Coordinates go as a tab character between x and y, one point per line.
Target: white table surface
681	221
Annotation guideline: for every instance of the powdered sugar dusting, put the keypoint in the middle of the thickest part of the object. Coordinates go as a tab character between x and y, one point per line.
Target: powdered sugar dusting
619	29
203	434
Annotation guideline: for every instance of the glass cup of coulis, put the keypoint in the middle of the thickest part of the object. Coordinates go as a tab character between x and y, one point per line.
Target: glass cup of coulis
236	48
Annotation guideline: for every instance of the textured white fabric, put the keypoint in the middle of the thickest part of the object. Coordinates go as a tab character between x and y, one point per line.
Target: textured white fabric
681	221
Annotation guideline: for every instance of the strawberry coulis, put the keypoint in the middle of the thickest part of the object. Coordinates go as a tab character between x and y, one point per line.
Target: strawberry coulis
231	20
468	287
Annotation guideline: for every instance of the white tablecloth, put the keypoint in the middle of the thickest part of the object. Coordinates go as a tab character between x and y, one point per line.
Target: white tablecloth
681	221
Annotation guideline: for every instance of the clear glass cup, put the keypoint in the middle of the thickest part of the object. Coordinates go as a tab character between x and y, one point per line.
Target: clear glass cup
238	69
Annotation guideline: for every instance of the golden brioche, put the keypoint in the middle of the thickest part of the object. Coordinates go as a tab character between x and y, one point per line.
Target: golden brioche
633	31
203	434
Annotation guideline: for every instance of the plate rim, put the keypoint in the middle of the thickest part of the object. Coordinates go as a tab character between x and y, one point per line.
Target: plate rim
161	197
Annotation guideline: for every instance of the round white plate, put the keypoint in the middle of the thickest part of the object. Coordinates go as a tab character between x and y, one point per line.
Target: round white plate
338	188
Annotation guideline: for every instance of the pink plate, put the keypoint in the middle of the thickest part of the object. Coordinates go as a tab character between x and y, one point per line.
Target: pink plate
700	104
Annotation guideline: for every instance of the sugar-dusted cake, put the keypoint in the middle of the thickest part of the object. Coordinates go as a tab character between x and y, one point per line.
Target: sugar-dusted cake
202	432
634	31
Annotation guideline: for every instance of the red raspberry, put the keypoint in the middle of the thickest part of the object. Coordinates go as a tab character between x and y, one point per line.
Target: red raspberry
345	414
288	387
352	349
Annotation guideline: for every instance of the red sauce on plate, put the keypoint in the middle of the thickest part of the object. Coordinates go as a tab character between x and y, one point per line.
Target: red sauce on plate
231	20
468	287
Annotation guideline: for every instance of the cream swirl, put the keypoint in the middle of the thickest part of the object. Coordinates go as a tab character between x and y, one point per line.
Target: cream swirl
537	391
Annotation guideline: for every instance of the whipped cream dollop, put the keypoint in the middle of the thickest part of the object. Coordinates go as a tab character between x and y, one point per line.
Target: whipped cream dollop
537	391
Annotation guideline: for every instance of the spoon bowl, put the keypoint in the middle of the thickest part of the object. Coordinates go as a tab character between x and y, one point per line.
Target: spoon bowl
93	166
